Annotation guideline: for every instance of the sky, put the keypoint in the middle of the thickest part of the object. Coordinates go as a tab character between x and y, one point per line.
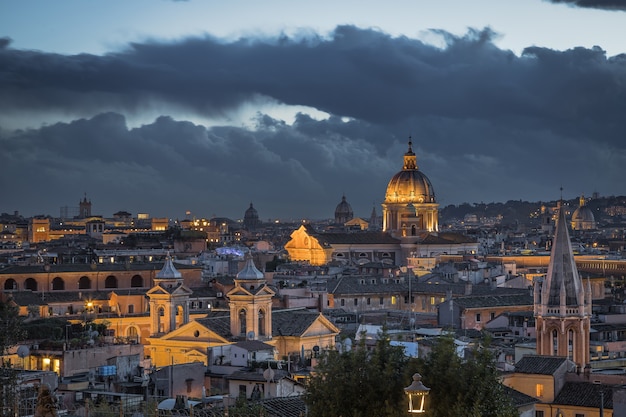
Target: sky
168	107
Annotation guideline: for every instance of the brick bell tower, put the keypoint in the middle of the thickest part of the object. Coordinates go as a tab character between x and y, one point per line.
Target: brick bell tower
562	305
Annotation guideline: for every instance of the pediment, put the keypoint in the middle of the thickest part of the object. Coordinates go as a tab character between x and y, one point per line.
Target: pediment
193	331
321	326
157	290
174	291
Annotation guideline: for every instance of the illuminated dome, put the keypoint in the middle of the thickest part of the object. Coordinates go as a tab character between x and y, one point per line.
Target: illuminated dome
410	185
410	208
583	218
343	212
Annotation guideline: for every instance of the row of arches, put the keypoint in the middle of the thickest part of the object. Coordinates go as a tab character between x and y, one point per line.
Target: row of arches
84	283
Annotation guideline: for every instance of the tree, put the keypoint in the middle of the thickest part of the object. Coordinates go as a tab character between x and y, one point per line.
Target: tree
359	383
10	334
469	387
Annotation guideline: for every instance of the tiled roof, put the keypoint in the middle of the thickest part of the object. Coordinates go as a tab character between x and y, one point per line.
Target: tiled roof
446	239
257	375
584	394
276	407
362	284
292	322
219	322
519	399
253	345
26	298
284	407
494	300
357	238
541	365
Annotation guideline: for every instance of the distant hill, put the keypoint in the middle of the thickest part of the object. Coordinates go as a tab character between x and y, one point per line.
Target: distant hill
605	209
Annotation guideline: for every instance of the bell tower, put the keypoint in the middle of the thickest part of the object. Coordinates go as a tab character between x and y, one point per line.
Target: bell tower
562	306
250	304
169	300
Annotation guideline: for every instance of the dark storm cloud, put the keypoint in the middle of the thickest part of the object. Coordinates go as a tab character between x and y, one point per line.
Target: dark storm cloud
595	4
488	125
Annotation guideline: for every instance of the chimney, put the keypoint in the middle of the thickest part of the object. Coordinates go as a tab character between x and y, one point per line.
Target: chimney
468	288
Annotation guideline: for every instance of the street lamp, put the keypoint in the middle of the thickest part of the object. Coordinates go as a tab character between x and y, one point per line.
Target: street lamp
417	393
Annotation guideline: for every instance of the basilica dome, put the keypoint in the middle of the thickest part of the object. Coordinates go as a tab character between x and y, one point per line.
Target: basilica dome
251	218
410	185
583	218
343	212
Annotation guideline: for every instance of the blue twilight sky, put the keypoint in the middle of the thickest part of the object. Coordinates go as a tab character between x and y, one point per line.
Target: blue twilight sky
168	106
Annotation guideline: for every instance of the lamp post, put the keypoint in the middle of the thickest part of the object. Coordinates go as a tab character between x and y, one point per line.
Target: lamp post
417	393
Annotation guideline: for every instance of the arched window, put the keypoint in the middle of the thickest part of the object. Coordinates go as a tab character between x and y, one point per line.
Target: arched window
84	283
10	284
413	230
30	284
136	281
570	344
110	282
132	334
242	321
555	343
180	316
58	284
261	322
160	320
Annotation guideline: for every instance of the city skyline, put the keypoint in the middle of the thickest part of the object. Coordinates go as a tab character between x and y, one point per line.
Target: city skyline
174	106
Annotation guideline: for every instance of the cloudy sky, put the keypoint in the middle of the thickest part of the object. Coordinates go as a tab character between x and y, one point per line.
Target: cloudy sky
163	107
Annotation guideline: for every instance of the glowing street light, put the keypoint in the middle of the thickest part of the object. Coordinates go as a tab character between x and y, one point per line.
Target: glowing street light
417	393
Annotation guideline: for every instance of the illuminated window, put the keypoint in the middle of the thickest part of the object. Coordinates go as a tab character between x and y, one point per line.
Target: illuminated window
432	301
539	390
393	299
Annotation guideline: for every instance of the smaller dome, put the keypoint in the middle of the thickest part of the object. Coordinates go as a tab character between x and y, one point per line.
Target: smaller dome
249	271
343	212
168	271
251	213
583	218
251	218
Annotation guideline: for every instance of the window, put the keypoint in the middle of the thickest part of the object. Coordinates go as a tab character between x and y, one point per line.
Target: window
84	283
110	282
242	391
356	301
136	281
343	302
579	415
30	284
432	301
394	300
539	390
492	316
131	309
242	321
538	413
58	284
477	317
368	301
382	301
10	284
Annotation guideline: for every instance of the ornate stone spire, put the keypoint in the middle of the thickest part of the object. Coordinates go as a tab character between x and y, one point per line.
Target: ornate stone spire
562	286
